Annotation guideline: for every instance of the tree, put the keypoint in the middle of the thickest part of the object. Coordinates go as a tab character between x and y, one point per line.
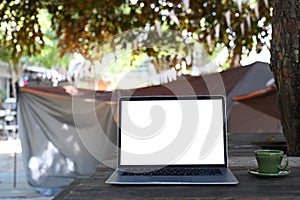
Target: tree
49	55
24	35
286	68
20	29
236	24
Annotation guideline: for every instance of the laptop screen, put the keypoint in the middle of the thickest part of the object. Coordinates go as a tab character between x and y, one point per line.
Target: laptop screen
172	131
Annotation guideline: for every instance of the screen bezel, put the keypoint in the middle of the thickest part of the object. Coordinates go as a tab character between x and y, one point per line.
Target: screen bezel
175	98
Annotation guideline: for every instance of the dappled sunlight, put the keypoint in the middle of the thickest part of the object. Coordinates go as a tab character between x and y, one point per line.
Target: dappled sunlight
65	127
76	148
71	141
69	165
40	165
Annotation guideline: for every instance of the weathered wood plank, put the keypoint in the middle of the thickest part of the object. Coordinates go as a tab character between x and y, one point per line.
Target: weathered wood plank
250	187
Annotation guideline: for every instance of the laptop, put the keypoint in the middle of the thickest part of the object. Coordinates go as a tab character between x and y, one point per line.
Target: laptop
172	140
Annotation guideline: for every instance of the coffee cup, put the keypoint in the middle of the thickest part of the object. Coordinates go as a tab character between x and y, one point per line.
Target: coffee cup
270	161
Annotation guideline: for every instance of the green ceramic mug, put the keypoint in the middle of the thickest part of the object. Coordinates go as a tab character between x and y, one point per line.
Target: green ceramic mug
270	161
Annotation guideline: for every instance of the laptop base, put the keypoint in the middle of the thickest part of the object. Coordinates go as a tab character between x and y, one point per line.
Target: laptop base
227	178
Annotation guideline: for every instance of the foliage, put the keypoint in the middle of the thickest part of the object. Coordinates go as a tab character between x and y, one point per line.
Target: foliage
48	56
80	25
20	30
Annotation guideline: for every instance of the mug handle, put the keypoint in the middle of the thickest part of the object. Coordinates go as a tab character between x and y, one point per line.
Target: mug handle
286	163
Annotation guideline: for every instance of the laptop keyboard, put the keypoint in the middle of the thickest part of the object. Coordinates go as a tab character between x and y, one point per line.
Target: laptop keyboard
174	172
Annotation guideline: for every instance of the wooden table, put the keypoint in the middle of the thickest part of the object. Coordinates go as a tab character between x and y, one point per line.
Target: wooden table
241	157
250	187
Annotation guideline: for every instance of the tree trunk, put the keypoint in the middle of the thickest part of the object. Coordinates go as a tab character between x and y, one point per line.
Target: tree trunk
285	65
16	72
11	66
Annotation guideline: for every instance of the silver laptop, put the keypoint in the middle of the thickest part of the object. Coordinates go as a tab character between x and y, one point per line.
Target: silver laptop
172	140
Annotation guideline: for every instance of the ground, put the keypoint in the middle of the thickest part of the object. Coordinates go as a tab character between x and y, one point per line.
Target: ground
13	183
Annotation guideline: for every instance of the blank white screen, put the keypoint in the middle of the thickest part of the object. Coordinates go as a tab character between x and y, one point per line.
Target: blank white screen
164	132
